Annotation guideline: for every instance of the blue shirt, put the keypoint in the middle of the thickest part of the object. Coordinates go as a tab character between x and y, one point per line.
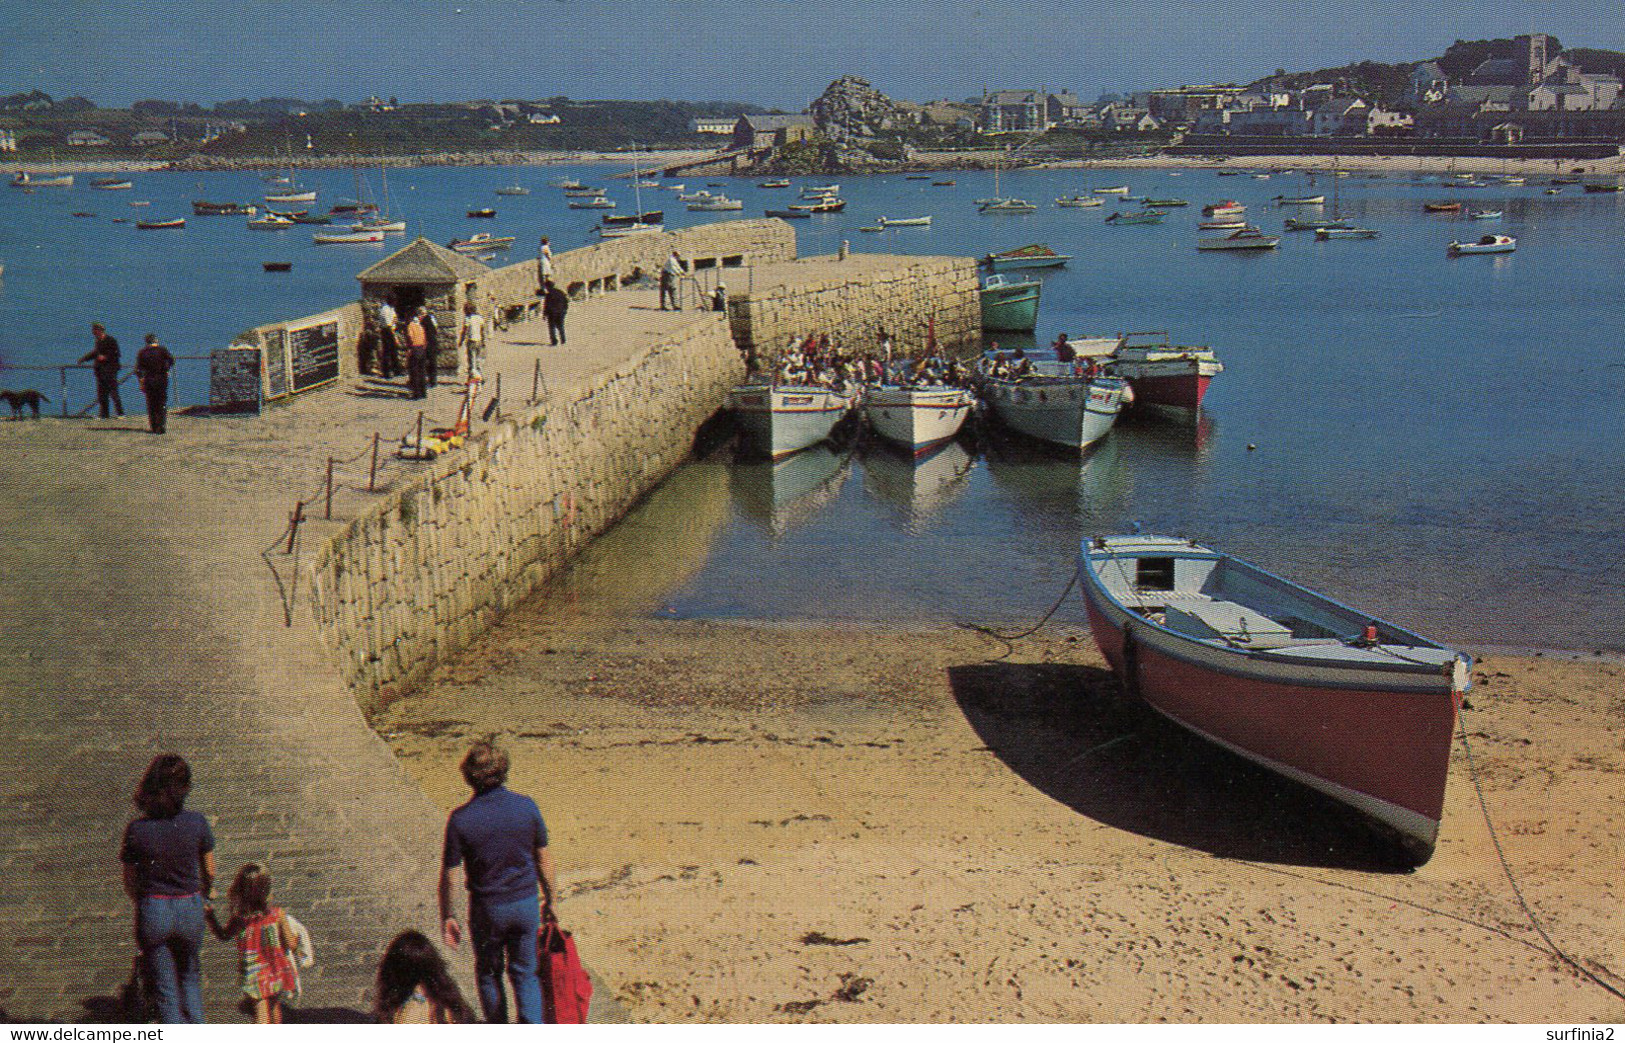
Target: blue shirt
494	837
165	853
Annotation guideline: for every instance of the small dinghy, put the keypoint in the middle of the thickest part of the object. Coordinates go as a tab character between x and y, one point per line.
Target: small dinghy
1355	707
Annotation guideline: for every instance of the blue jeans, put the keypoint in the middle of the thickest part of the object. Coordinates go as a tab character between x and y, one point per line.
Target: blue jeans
505	933
170	933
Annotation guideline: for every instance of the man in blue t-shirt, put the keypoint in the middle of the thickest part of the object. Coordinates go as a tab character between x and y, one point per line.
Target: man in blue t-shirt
500	840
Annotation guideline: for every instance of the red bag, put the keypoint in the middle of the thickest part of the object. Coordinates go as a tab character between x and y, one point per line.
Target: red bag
566	988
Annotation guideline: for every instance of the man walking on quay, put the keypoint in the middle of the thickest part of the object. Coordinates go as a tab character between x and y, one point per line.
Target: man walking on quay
500	840
555	304
152	365
669	275
105	360
474	340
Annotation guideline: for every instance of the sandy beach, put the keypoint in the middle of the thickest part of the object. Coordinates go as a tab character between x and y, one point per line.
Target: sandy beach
1531	168
761	823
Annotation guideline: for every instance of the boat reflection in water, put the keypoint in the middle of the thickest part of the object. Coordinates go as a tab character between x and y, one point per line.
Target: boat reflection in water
781	495
917	488
1056	484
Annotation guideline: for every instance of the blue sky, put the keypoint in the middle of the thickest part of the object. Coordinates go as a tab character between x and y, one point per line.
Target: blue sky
771	52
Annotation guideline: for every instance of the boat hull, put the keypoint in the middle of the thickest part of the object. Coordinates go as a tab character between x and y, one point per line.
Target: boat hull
918	419
1075	413
781	421
1011	306
1374	735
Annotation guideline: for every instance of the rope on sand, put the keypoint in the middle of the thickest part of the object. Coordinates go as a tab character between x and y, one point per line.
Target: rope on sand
1483	804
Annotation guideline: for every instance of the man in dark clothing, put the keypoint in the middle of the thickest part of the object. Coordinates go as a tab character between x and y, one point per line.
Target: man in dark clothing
555	303
152	365
431	351
105	359
500	840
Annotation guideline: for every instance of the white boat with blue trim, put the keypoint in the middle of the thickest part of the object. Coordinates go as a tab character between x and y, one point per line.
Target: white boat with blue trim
781	419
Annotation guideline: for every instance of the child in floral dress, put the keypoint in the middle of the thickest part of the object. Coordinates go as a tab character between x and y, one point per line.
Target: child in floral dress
265	943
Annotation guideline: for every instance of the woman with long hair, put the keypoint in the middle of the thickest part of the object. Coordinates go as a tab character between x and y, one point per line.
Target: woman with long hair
168	863
415	988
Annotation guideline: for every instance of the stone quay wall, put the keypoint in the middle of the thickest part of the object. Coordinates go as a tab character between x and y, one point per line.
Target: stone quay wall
852	299
434	564
607	266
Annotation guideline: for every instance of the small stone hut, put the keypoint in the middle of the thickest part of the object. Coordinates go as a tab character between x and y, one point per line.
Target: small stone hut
427	274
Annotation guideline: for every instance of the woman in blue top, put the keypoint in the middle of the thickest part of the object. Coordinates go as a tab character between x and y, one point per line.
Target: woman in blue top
168	858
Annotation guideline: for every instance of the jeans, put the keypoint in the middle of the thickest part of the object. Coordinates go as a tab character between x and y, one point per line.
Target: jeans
555	332
505	933
170	933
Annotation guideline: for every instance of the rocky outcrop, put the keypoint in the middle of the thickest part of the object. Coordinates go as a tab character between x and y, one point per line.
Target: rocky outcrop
851	109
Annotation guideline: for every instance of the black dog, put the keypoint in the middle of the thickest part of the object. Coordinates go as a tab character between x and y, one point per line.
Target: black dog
18	399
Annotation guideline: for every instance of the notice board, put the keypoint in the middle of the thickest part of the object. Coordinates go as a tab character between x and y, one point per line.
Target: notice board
276	365
234	379
313	355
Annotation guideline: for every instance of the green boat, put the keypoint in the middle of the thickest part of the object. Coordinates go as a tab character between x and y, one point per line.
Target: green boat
1142	217
1009	303
1165	203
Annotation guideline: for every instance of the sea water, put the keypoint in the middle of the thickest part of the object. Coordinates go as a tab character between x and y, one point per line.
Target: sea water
1439	441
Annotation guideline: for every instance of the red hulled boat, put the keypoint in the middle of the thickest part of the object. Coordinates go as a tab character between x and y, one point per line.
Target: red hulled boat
1354	707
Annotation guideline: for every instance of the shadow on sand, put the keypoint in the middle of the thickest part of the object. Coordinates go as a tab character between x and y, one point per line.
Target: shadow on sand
1072	733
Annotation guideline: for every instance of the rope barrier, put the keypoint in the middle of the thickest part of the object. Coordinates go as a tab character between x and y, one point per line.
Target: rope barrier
1506	868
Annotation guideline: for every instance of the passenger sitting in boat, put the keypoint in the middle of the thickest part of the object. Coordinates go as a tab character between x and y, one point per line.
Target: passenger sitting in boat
1021	365
1064	351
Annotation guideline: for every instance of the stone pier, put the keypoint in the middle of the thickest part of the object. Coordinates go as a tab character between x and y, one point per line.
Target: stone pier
151	603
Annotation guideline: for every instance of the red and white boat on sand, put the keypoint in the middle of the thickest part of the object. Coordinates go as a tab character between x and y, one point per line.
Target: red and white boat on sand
1161	373
1352	706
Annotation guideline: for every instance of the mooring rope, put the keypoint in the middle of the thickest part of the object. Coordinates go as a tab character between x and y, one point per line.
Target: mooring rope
1506	867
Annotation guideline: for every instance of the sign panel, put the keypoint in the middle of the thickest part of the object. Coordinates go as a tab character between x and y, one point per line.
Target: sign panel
313	353
234	380
276	364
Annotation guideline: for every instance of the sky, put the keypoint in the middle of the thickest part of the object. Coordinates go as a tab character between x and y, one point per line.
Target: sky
776	53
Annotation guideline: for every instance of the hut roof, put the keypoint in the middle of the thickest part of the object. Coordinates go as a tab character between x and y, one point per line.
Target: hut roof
421	261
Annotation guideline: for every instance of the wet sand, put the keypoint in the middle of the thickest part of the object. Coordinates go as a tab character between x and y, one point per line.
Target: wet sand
760	823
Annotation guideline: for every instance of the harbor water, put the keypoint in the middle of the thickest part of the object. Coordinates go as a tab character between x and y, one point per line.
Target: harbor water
1439	441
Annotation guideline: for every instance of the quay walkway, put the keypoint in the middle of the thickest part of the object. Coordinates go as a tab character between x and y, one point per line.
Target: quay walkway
138	616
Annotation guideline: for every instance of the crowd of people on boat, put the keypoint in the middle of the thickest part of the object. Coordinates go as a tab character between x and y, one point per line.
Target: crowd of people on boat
496	843
820	361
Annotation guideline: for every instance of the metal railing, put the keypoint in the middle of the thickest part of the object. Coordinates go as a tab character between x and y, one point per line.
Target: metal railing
64	398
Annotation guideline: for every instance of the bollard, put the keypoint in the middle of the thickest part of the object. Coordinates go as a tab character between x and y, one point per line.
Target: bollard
372	472
420	431
327	511
535	383
293	527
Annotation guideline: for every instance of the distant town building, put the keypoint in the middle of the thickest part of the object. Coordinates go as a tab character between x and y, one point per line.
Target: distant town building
87	139
146	138
8	141
760	131
544	118
1004	112
712	124
1183	105
1546	92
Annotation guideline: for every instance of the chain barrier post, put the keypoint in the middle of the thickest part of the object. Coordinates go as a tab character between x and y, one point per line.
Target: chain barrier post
293	523
372	472
327	511
535	383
